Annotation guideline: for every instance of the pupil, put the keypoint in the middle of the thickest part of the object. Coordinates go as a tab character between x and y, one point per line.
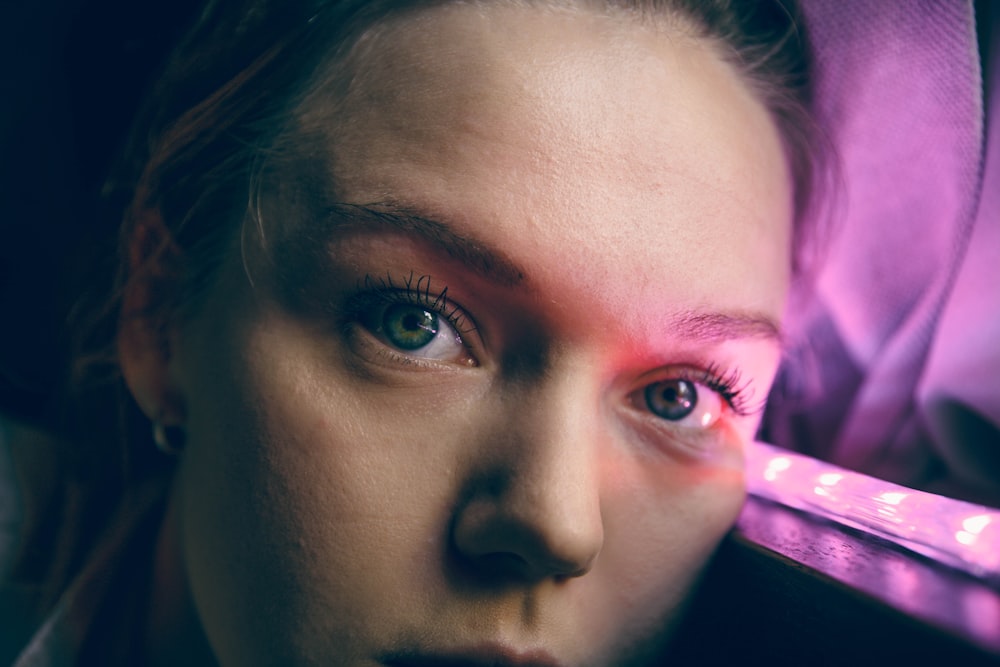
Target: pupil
409	327
672	399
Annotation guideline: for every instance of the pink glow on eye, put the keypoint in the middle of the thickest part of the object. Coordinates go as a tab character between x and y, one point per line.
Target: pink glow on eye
959	534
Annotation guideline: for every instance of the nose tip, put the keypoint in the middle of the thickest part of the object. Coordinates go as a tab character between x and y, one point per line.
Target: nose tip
531	504
532	533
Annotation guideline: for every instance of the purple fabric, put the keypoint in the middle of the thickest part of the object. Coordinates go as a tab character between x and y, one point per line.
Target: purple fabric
899	374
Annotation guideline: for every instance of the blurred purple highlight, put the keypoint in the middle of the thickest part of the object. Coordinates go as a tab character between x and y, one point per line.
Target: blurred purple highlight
958	534
896	372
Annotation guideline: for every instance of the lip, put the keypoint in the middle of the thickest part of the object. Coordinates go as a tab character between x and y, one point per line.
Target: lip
485	655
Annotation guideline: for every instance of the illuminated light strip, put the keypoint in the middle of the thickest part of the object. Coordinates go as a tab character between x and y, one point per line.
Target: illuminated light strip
962	535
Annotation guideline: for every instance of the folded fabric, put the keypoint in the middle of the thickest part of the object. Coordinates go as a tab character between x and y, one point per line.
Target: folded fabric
897	370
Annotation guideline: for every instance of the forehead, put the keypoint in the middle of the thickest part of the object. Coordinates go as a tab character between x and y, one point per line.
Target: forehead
582	144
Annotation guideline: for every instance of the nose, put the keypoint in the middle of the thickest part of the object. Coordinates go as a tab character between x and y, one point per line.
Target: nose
533	510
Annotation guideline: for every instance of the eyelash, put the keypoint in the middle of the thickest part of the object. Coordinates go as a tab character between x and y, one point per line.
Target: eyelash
415	291
729	385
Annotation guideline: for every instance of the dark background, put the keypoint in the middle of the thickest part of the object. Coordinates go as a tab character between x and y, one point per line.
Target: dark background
72	74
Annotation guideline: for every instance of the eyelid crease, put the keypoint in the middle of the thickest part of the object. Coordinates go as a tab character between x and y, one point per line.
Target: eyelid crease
489	263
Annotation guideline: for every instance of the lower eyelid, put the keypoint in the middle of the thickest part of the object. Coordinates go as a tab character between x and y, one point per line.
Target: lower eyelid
688	445
366	344
379	295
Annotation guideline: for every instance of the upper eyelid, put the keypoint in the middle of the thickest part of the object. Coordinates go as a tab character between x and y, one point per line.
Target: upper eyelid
364	312
419	292
739	397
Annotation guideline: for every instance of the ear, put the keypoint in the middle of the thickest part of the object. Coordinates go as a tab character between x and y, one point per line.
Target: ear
146	333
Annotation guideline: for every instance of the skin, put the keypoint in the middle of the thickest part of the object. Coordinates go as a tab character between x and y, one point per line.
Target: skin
618	213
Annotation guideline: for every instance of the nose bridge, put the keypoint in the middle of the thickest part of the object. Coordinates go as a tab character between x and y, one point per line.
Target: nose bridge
554	448
541	513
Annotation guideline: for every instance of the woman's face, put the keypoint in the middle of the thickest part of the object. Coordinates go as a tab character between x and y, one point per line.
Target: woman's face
502	421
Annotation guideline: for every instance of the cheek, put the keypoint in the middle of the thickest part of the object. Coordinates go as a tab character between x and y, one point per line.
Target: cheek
306	498
662	524
316	507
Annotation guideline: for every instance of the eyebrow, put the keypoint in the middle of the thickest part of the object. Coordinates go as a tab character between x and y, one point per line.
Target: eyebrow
716	327
693	325
488	263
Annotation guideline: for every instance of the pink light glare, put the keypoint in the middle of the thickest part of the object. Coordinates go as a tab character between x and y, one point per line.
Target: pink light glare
959	534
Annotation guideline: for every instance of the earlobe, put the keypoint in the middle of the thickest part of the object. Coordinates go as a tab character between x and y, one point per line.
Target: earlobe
145	327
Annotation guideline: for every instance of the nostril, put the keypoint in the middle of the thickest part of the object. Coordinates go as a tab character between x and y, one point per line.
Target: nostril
535	509
503	566
500	539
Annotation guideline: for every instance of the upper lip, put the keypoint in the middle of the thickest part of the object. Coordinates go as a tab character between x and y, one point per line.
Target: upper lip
486	655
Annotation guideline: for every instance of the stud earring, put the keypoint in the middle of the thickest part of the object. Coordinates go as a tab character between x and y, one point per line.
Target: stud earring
168	439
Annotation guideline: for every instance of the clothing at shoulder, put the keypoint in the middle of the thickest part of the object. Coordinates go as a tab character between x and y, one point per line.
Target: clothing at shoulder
96	618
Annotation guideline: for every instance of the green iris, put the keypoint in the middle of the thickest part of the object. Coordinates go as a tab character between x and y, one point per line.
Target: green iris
409	327
672	399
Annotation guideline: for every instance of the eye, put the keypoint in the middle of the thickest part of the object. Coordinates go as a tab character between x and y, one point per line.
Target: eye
683	402
416	331
410	327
